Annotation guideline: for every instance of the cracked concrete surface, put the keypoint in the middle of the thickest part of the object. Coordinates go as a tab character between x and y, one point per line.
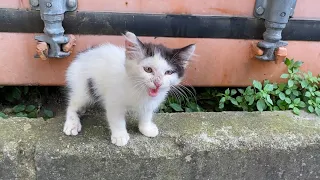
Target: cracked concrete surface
226	145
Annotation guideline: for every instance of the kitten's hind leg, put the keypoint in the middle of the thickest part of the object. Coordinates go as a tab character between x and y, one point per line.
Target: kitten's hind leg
78	100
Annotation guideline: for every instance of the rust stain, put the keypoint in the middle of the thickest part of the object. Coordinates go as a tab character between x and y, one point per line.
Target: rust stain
179	8
226	11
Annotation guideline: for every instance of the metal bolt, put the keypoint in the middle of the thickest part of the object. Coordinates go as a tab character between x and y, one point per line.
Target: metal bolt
283	14
260	10
34	3
71	3
48	5
291	11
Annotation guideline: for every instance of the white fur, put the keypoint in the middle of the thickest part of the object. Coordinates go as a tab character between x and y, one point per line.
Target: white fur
121	83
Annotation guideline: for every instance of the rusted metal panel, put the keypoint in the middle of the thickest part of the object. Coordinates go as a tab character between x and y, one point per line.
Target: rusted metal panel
220	62
306	9
224	58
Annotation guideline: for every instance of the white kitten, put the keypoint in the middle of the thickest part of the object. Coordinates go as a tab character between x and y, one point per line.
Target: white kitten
137	76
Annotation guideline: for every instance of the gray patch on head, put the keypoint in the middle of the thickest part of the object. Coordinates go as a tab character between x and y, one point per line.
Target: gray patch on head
172	56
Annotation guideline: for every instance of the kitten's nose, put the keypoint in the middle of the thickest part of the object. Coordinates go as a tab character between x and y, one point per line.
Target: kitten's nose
157	84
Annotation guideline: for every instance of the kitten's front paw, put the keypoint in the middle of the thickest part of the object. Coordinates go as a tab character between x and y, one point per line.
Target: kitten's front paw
120	138
149	130
72	126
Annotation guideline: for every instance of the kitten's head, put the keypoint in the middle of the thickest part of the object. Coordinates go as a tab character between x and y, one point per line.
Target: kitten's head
155	66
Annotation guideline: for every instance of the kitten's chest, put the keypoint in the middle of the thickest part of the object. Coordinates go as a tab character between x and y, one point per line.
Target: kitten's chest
145	103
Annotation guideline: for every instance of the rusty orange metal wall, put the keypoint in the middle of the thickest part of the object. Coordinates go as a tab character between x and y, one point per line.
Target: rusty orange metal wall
220	62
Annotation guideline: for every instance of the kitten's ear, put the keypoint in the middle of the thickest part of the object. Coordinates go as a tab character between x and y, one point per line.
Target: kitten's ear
134	47
186	53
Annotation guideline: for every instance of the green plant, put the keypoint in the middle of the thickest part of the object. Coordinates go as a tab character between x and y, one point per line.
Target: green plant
178	101
29	111
301	91
15	98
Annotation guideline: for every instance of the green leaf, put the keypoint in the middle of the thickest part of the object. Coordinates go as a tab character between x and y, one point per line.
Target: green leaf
249	90
311	109
287	62
192	105
32	114
222	100
317	110
261	105
291	106
287	100
251	100
239	99
317	93
241	91
288	91
268	87
276	108
295	92
19	108
308	94
233	92
284	76
269	100
174	106
221	105
3	115
282	96
21	114
30	108
296	101
16	93
257	84
234	101
297	64
296	111
49	114
295	70
302	104
290	83
282	86
227	92
304	83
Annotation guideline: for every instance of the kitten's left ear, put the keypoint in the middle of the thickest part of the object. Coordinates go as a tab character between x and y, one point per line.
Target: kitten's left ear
187	52
133	46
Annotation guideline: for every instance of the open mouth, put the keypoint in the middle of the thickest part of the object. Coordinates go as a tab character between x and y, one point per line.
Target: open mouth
153	92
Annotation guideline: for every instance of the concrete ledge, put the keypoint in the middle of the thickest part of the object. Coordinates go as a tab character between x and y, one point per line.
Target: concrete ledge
228	145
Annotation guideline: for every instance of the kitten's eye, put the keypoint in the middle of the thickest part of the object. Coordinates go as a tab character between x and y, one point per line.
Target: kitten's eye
169	72
147	69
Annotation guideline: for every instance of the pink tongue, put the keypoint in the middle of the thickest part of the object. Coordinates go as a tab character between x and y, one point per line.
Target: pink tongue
153	92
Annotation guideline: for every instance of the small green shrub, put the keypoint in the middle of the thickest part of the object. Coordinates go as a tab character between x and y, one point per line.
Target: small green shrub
301	91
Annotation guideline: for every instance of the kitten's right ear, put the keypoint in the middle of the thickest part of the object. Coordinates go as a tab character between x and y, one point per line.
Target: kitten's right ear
134	47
